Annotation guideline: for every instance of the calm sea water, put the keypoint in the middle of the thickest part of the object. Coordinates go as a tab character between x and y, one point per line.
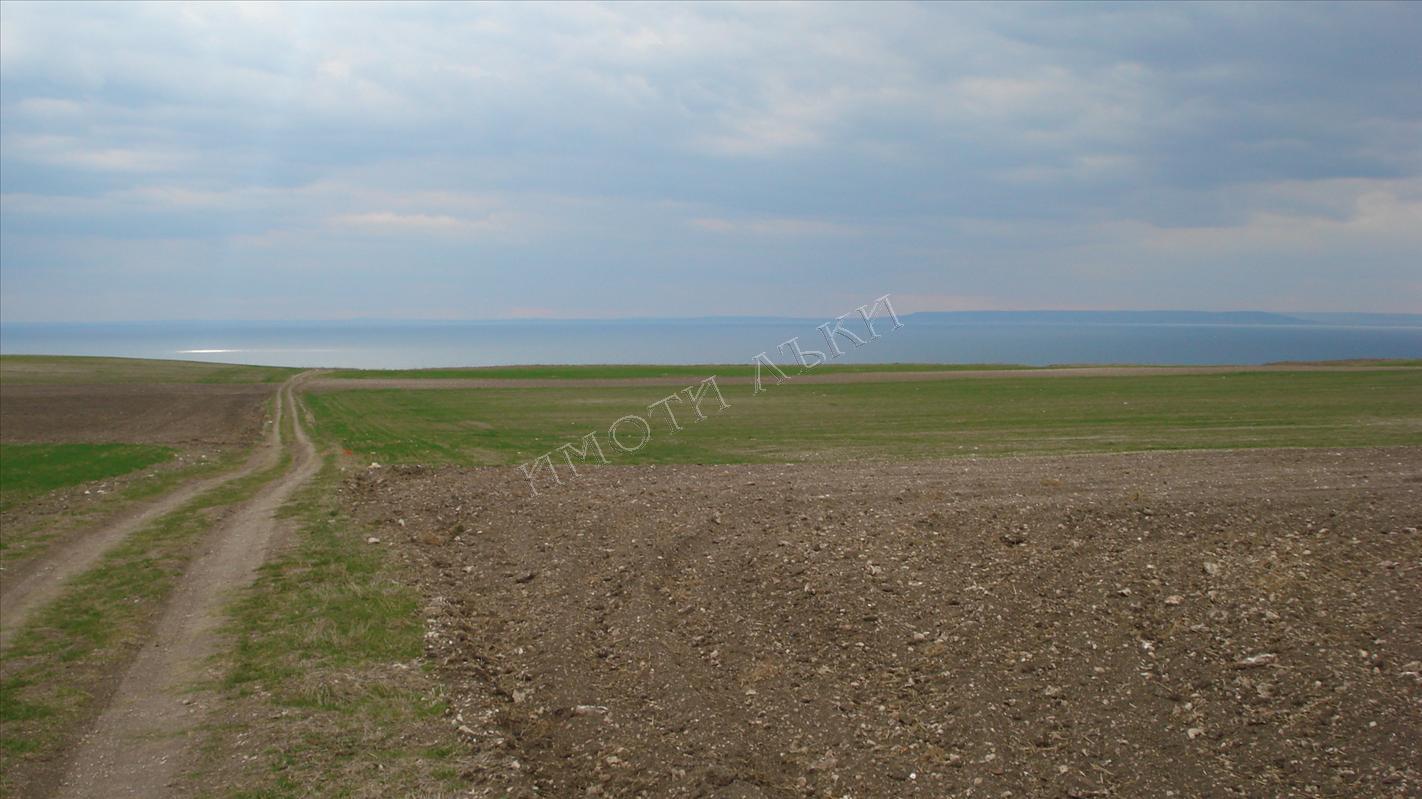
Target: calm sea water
427	344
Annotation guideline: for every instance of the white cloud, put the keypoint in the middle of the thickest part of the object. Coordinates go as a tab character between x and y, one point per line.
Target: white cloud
74	153
773	226
406	223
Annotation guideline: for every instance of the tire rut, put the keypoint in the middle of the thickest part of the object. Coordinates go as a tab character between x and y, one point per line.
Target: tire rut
135	747
43	581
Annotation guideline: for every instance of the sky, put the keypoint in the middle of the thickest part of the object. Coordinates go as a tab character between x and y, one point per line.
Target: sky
443	161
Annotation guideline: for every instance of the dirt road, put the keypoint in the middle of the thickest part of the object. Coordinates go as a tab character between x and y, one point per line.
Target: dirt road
31	585
136	745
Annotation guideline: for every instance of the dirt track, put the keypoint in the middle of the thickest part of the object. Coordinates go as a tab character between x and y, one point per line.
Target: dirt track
339	384
1205	623
31	584
135	748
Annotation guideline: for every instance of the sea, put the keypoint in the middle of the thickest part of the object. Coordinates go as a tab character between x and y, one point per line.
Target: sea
1028	339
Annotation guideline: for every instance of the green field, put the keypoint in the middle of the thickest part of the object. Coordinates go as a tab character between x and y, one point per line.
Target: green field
18	369
29	470
896	420
624	371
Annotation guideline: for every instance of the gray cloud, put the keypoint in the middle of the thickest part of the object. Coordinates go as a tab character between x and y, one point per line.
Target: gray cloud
167	161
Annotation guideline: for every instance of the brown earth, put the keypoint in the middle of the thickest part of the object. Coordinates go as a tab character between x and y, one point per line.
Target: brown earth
1168	624
158	413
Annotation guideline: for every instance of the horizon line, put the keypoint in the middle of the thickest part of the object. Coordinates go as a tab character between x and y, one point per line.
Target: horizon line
702	317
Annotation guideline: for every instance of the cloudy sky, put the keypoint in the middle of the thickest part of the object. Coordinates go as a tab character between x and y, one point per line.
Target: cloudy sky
478	161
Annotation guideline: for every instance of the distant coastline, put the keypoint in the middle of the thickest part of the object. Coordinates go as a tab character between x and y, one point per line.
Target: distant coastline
953	317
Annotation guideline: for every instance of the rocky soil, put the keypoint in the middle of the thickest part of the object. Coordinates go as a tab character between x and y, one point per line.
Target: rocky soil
1170	624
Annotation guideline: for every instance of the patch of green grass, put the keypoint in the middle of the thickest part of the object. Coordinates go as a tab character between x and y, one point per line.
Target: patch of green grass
919	419
325	604
58	662
323	643
19	369
28	536
624	371
29	470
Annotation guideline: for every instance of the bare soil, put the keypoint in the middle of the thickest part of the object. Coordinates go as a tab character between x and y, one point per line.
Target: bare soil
166	413
1168	624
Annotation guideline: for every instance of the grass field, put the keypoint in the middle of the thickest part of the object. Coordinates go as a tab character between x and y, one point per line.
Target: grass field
19	369
624	371
29	470
889	419
322	639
